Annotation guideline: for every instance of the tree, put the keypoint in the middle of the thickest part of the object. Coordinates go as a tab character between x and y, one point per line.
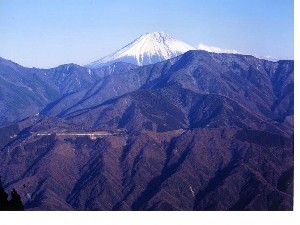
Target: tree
3	198
14	204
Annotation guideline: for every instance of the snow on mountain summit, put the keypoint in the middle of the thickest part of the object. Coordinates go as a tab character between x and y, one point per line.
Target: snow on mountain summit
147	49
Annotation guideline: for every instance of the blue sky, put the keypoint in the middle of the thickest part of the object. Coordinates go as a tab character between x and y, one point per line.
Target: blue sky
47	33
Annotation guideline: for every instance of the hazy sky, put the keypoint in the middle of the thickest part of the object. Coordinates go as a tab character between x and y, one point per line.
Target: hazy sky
47	33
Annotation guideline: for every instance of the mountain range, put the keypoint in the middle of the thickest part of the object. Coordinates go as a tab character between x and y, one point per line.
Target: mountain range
155	126
26	91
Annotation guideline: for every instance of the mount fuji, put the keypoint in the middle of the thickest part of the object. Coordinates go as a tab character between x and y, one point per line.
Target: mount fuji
147	49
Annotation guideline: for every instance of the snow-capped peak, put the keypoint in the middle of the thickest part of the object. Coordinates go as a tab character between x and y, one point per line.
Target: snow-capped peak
147	49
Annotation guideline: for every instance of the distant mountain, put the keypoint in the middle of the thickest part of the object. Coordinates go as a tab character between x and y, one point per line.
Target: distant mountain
147	49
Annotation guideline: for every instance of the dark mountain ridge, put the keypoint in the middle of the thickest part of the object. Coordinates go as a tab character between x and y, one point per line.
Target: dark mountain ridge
174	170
171	108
